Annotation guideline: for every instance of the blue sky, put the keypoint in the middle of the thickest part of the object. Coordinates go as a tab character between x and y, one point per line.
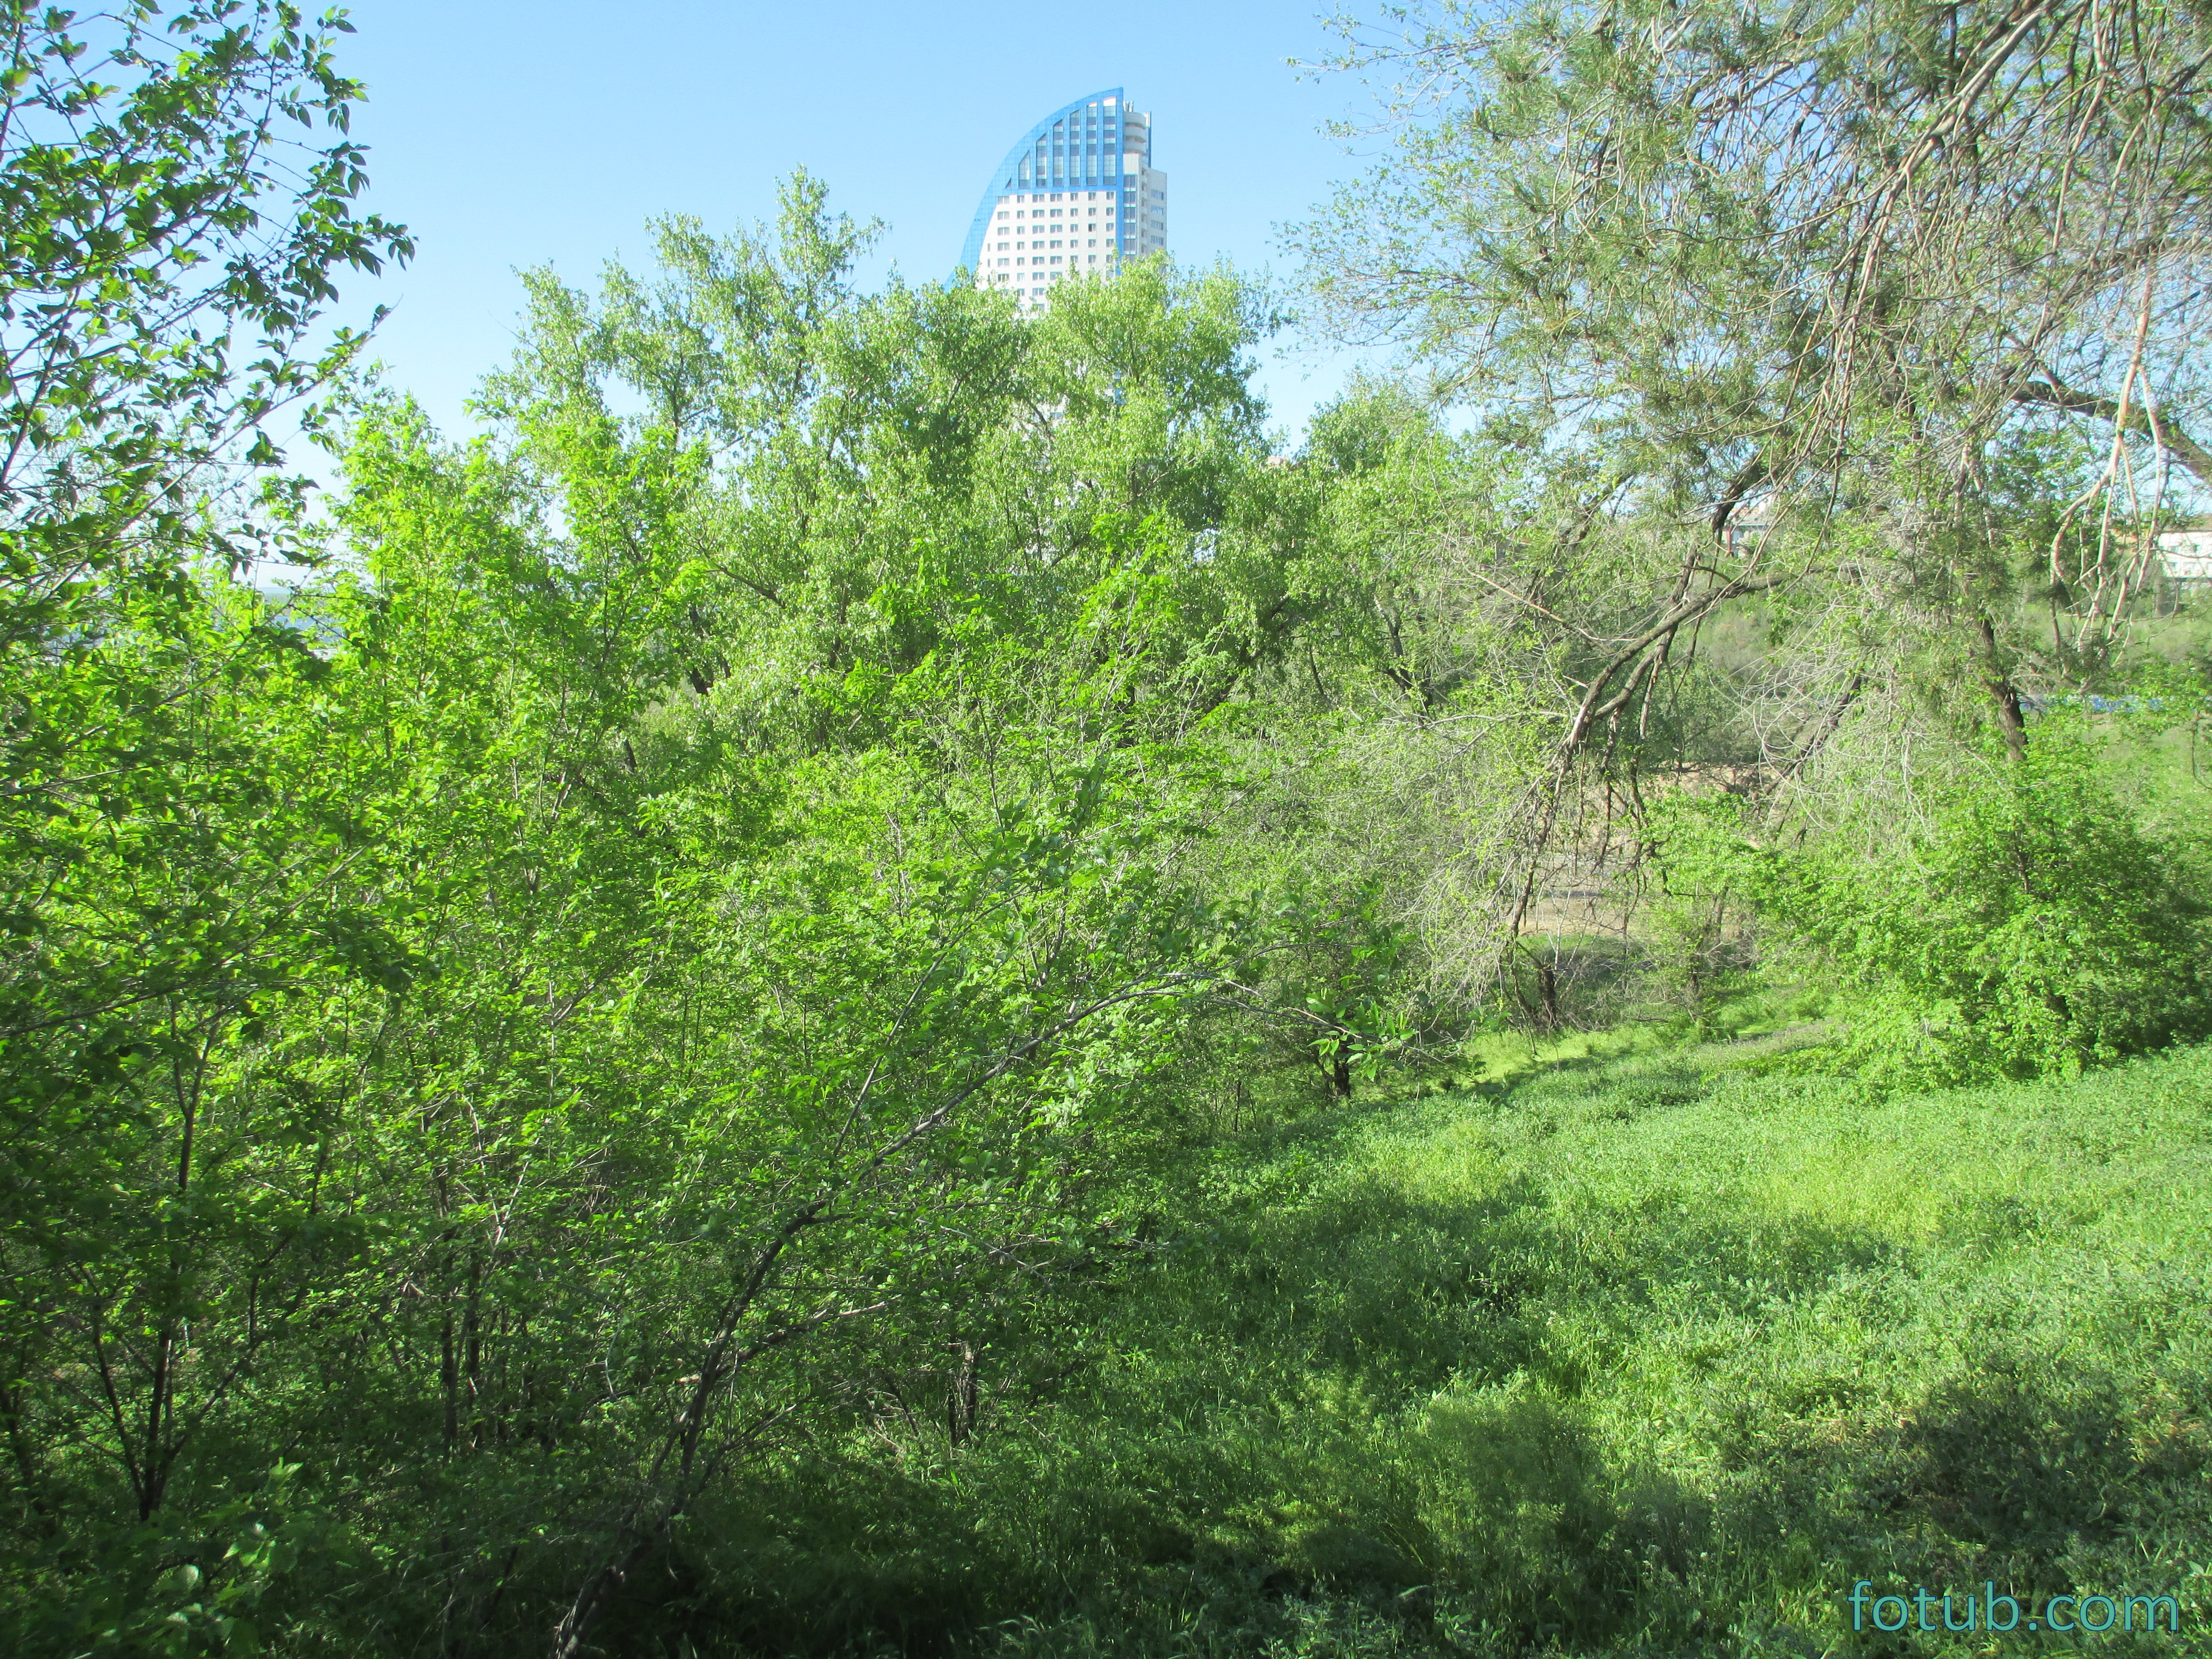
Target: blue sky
507	135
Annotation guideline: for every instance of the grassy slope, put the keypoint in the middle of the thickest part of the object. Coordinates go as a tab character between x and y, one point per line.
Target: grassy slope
1648	1354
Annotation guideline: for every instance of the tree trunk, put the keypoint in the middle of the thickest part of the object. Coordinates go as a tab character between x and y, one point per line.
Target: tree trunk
1337	1068
1998	684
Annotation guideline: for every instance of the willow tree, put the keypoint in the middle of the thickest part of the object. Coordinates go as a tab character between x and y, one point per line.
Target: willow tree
1874	317
1817	256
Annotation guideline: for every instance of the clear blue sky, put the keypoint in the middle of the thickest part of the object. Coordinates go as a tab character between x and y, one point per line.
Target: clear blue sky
507	135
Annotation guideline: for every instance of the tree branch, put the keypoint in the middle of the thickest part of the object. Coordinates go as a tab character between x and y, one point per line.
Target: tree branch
2185	449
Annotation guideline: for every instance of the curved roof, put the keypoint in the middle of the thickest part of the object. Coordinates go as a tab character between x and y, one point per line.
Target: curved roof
1044	160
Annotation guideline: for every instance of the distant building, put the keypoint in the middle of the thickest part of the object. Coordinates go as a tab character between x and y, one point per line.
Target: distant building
1741	535
2185	555
1077	195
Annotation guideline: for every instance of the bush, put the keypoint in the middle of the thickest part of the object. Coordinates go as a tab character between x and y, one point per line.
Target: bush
2033	929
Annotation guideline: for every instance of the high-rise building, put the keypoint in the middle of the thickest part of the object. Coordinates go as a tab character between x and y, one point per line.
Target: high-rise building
1077	194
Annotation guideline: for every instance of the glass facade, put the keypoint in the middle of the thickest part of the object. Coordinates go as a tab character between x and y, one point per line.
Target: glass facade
1080	179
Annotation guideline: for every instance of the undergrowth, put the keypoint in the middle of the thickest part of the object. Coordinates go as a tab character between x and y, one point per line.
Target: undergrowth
1641	1353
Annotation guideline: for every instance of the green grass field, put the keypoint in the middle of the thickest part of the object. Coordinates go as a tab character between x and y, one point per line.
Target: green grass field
1657	1353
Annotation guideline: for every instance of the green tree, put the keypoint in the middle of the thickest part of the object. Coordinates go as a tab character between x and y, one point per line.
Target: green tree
739	1037
1833	263
178	860
720	880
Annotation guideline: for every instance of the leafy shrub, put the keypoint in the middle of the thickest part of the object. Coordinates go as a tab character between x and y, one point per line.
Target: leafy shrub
2033	929
193	1585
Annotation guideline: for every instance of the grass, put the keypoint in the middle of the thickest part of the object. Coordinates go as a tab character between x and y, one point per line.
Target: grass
1640	1352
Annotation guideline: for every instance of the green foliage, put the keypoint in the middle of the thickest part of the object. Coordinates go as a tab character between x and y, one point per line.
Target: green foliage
184	862
158	203
656	1038
1655	1354
2032	928
1692	961
149	1590
1336	982
1736	251
681	916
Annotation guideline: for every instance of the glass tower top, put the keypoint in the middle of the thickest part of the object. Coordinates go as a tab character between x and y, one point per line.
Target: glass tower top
1091	161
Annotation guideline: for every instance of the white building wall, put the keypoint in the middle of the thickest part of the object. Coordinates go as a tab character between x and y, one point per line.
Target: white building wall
2186	555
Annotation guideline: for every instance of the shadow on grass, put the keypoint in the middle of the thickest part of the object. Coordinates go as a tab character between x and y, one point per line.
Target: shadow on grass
1396	1407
